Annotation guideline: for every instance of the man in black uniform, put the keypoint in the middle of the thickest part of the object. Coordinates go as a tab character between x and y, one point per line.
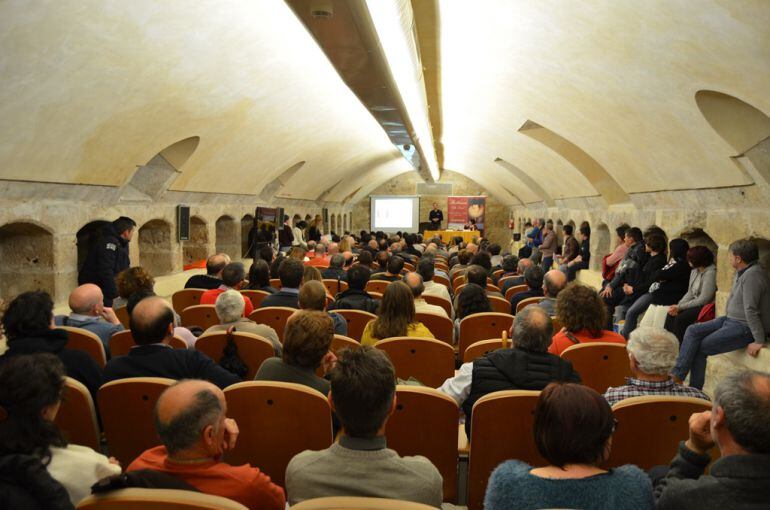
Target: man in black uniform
436	217
107	257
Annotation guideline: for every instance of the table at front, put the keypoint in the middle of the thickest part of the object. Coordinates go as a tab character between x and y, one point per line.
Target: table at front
447	235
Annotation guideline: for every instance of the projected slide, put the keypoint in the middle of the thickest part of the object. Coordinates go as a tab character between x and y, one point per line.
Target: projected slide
395	213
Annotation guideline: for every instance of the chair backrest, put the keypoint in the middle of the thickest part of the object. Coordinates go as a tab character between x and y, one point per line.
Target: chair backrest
443	328
343	342
376	286
408	266
514	290
429	361
168	499
202	316
354	503
84	340
425	423
650	428
185	298
334	287
440	279
499	304
123	316
498	272
77	416
126	407
457	281
439	301
600	364
357	321
273	316
501	429
528	301
122	342
482	347
441	265
275	283
252	349
482	326
277	420
255	296
555	324
492	287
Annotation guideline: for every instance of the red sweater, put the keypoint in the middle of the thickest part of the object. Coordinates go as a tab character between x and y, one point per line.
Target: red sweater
210	297
560	341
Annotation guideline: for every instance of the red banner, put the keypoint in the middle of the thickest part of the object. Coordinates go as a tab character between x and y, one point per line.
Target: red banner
466	212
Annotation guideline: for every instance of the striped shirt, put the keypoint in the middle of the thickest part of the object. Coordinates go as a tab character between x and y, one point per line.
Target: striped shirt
640	388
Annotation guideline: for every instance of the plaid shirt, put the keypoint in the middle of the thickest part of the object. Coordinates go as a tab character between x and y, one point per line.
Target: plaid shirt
639	388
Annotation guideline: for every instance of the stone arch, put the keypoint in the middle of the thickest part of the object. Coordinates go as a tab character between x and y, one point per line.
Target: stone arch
600	245
155	250
333	224
697	237
26	250
197	247
247	222
344	222
227	241
339	224
764	252
86	237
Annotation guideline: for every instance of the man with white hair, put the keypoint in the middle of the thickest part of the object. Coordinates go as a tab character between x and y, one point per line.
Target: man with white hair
89	313
229	307
652	354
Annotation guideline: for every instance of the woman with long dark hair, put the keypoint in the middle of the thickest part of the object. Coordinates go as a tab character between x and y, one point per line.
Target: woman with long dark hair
395	317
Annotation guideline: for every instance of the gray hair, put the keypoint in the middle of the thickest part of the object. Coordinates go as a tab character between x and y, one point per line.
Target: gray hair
337	261
654	349
184	430
414	281
532	329
230	306
746	249
745	398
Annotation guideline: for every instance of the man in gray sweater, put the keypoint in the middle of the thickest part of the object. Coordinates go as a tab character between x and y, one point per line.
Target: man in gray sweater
363	395
746	322
739	424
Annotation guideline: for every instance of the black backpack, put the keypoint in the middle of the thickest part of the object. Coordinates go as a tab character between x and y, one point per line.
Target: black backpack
230	359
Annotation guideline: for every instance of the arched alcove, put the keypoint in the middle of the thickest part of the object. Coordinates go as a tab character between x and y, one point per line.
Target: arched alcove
26	252
697	237
600	246
155	253
308	218
86	237
740	124
764	252
227	240
334	223
350	220
197	247
247	222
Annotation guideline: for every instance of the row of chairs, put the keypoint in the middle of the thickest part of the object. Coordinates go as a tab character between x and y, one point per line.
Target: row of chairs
279	420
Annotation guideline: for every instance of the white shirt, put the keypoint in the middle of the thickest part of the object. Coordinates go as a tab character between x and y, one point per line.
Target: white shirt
422	306
436	289
77	468
459	386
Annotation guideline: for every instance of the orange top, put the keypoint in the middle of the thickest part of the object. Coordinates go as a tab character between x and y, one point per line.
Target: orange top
210	298
561	341
244	484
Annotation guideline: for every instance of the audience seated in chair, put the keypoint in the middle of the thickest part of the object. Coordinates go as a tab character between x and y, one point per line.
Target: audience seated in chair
395	317
573	430
191	420
179	331
427	269
739	424
463	258
533	277
583	316
355	297
319	259
652	353
629	272
213	277
130	281
554	282
518	279
414	282
233	276
363	387
89	313
229	308
527	366
259	277
28	327
335	270
393	272
31	390
312	296
152	326
290	272
473	299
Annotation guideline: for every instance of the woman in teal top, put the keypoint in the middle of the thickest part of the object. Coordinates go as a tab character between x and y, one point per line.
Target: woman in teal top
573	430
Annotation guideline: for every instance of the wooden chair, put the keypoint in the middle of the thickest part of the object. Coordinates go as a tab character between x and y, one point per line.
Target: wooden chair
499	305
168	499
277	420
528	301
123	317
501	430
425	423
443	328
482	347
334	287
77	416
458	280
252	349
126	407
275	283
186	298
439	301
355	503
441	265
357	321
376	286
122	342
429	361
273	316
343	342
491	287
512	291
86	341
504	279
255	296
555	324
650	428
440	279
496	274
600	364
202	316
482	326
408	266
376	295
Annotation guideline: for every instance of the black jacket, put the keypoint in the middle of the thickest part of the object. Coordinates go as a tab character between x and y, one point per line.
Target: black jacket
333	273
642	280
203	281
285	236
353	299
673	281
515	369
630	268
79	365
281	298
162	361
521	296
106	258
25	484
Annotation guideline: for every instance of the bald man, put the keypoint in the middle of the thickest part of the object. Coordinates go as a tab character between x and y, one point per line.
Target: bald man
88	312
152	326
415	283
215	264
554	282
191	420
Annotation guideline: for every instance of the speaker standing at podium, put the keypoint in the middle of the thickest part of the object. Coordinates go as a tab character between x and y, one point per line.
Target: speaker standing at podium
436	217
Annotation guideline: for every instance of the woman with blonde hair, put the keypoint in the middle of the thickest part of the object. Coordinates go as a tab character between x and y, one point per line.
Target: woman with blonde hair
395	317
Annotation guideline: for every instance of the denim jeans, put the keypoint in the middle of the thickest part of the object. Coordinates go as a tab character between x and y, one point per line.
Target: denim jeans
706	339
641	304
547	263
